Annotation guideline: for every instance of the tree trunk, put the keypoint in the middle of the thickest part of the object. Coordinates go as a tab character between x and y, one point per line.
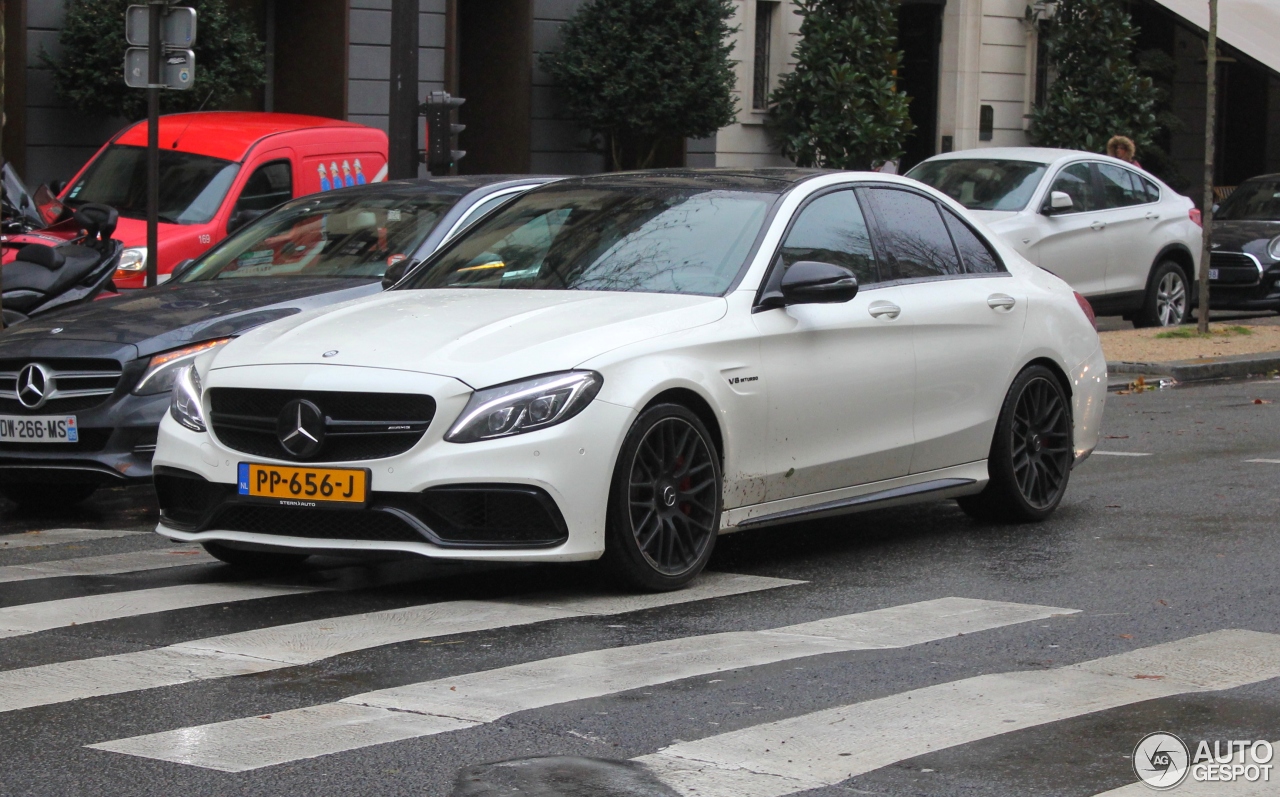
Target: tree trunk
1211	116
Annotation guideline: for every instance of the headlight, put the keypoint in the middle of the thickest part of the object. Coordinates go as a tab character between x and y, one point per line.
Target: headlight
184	406
524	406
133	260
1274	248
163	368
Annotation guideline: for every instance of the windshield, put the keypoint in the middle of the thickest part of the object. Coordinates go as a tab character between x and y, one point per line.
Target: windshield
657	239
327	235
1256	200
982	184
191	186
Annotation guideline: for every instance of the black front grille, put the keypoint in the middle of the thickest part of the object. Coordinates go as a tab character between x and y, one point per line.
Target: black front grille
186	498
493	514
91	440
329	524
76	384
358	426
1234	268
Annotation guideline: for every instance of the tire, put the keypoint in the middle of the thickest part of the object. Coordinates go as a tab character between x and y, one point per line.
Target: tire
664	502
254	560
1168	301
1031	453
47	497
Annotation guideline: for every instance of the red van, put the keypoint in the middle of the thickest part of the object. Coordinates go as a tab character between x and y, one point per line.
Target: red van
219	171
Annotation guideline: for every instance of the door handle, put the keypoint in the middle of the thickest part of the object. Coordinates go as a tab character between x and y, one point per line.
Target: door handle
1151	216
889	309
1099	225
1001	301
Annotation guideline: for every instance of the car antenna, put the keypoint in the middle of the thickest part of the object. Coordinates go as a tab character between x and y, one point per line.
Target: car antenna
183	132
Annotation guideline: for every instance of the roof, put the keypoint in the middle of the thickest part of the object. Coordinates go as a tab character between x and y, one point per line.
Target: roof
772	180
446	185
1029	154
1250	26
225	134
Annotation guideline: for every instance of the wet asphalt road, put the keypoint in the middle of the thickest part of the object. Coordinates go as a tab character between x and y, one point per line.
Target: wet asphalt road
1150	550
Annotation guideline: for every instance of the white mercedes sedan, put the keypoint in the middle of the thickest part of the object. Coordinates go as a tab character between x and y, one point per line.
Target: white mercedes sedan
623	367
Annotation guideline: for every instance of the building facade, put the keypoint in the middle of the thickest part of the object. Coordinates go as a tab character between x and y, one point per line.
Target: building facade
974	68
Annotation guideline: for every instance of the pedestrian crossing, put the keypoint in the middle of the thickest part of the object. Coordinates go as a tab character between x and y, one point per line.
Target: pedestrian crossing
802	750
35	539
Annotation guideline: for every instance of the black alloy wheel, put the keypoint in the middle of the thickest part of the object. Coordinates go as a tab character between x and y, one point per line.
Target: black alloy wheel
1031	454
664	508
254	559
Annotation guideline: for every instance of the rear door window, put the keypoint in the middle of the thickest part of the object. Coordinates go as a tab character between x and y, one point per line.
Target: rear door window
977	256
1121	188
913	237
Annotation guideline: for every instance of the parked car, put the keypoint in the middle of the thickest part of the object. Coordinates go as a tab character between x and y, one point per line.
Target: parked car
1244	266
628	365
104	370
1115	233
218	172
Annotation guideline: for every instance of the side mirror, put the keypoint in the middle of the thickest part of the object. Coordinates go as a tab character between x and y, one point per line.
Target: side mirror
396	271
182	268
1059	202
242	217
810	282
57	186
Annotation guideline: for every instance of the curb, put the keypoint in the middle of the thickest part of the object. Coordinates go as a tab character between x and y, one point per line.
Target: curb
1240	366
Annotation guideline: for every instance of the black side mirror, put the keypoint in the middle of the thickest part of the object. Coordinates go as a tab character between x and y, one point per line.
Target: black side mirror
396	271
243	217
811	282
182	268
57	186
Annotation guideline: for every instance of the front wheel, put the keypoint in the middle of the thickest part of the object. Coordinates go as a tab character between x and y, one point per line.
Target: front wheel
664	503
1168	301
1031	453
254	560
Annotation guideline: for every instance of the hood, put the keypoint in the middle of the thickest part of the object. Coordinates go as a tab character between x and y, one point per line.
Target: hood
992	218
1234	236
174	315
479	336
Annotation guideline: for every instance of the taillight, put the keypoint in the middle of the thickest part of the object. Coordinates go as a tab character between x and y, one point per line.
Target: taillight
1196	216
1087	308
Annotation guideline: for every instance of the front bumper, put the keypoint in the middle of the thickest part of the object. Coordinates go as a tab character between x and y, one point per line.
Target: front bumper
568	468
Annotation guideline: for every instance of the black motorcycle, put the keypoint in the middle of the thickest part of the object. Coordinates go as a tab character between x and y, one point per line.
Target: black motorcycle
42	278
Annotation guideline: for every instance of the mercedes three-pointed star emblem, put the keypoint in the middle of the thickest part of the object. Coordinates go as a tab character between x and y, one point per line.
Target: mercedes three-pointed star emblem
300	428
34	386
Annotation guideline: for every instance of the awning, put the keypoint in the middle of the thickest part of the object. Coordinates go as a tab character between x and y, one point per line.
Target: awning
1250	26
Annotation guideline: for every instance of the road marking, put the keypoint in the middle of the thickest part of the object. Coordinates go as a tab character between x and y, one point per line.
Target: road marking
109	564
32	539
1267	461
31	618
278	647
449	704
827	747
1119	454
1194	788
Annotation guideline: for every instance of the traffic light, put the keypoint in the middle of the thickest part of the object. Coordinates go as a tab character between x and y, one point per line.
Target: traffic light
441	156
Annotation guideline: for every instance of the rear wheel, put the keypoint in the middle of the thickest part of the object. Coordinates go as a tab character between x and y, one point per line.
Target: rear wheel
254	560
45	497
1168	301
664	503
1031	453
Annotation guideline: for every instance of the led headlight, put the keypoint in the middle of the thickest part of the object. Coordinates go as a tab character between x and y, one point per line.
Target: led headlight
163	368
524	406
1273	248
133	260
184	406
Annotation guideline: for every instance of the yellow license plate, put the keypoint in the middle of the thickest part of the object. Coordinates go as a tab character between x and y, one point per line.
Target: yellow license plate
303	486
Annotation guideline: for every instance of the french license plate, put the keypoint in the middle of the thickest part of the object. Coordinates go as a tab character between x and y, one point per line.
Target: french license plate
39	429
1213	273
289	486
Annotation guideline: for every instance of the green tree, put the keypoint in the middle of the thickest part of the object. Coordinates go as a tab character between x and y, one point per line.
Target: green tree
641	74
841	107
1098	91
89	73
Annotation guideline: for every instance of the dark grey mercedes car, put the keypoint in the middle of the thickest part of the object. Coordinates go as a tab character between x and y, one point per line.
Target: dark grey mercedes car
82	392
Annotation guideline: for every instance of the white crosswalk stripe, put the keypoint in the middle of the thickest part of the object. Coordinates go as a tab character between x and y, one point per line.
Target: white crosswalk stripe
444	705
31	618
302	643
33	539
827	747
108	564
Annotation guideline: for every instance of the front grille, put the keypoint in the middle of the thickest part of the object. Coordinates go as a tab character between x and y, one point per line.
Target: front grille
358	426
1235	268
73	385
91	440
493	514
331	524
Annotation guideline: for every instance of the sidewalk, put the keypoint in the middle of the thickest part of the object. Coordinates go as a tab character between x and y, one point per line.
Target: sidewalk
1233	351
